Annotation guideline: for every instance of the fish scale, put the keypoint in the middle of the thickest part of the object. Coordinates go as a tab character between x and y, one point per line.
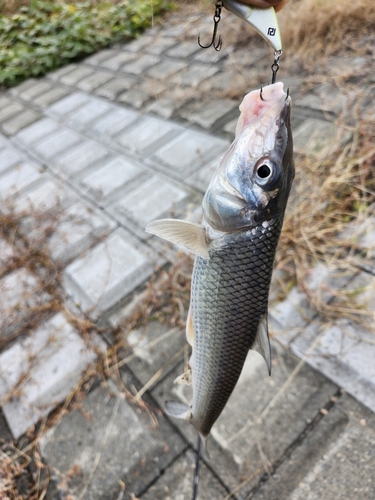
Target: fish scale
224	287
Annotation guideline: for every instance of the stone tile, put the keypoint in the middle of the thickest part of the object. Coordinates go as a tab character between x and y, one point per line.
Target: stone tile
228	80
10	111
7	255
32	91
56	143
115	87
5	434
20	121
184	49
166	69
49	195
135	97
154	199
107	181
230	128
20	177
76	75
147	135
102	55
142	63
165	107
140	44
130	450
21	294
68	104
55	75
316	136
159	45
261	419
50	362
28	84
108	273
156	347
214	114
118	60
195	75
88	113
31	135
342	351
81	157
201	179
187	153
177	482
335	460
78	228
92	82
291	314
9	157
5	101
50	97
115	121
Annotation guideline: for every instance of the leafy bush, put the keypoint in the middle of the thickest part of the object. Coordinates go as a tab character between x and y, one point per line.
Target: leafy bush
46	35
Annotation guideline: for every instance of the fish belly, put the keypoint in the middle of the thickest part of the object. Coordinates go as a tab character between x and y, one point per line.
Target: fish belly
229	297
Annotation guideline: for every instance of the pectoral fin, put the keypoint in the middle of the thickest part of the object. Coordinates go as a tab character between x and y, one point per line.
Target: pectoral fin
187	235
262	341
177	409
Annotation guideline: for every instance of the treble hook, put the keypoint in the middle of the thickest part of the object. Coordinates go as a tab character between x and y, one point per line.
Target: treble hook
216	18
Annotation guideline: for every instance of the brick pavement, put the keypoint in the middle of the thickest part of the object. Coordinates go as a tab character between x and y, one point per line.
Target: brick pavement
103	146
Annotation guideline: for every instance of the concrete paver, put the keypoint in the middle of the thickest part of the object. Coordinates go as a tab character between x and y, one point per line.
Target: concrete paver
334	461
187	153
20	121
116	445
152	199
79	158
19	283
50	362
114	176
79	226
15	180
109	272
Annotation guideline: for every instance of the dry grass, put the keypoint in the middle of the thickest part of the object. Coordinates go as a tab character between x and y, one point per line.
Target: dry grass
331	193
316	28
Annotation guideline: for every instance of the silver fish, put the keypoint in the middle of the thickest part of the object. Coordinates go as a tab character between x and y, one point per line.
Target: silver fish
243	211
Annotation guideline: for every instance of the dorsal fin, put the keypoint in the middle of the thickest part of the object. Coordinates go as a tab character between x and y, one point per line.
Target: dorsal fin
187	235
262	341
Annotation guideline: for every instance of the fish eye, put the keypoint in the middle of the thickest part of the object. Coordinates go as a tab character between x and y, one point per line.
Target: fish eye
266	173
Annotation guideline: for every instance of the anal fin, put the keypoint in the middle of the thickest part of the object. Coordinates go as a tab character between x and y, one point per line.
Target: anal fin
177	409
262	341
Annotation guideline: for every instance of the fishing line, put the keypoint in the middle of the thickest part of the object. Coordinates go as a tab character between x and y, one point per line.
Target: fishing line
197	466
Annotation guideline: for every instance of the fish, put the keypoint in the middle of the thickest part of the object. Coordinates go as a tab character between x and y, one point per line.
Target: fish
234	246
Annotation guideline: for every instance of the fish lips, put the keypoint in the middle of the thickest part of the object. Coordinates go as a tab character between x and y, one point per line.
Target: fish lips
245	192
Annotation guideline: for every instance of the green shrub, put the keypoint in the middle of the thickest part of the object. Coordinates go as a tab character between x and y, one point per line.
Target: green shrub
46	35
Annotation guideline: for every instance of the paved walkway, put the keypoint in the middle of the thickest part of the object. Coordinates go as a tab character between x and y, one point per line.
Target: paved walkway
90	154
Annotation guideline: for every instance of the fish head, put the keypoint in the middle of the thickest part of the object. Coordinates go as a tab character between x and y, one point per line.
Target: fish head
254	177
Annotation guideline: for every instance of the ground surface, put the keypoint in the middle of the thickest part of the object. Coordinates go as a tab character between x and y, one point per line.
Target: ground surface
90	154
